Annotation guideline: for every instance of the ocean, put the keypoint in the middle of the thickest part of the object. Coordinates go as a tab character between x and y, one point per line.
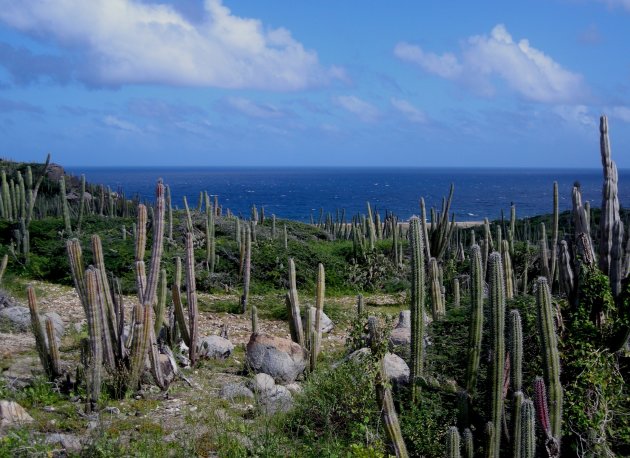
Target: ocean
295	193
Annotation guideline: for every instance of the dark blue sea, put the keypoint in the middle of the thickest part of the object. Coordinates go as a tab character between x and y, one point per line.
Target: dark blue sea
294	193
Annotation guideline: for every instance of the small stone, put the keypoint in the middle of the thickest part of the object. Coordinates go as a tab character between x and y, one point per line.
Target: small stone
112	410
232	391
262	383
294	388
278	399
48	409
215	347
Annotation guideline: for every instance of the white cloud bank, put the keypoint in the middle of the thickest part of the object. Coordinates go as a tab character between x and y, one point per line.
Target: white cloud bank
523	68
128	42
412	113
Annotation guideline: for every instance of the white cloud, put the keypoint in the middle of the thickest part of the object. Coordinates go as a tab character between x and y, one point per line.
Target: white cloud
117	123
620	112
412	113
128	42
576	115
445	65
365	111
617	3
523	68
254	110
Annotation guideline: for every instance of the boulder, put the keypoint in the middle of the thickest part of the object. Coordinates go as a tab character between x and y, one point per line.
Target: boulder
262	383
401	334
278	399
326	323
396	368
215	347
20	318
13	414
280	358
233	391
69	442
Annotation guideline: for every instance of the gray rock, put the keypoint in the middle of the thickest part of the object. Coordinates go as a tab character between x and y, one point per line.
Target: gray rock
232	391
396	368
6	300
69	442
215	347
294	388
13	414
326	323
20	318
281	358
112	410
279	399
262	383
404	319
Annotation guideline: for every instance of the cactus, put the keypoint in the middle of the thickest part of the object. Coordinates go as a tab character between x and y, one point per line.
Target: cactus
286	237
191	295
456	299
247	262
211	256
516	350
425	231
140	343
255	316
360	305
437	302
551	358
177	303
476	320
528	430
526	268
77	269
169	208
293	305
43	350
3	266
544	253
273	226
161	303
496	301
542	413
491	441
189	221
468	444
371	228
452	443
509	271
319	308
95	330
417	305
517	404
141	232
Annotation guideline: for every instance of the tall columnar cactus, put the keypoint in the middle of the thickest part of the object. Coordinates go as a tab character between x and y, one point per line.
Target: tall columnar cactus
360	305
3	266
476	320
319	309
141	232
468	444
512	232
293	305
517	437
425	229
526	269
44	349
453	443
496	376
516	350
437	301
551	358
491	441
254	316
286	237
95	333
177	302
211	256
139	344
552	443
544	252
417	305
169	210
161	303
528	430
509	271
81	203
273	226
456	298
371	228
247	263
191	295
610	208
581	223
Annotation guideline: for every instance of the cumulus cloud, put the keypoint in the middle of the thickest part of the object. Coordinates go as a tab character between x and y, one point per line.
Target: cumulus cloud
120	124
128	42
483	59
412	113
445	65
365	111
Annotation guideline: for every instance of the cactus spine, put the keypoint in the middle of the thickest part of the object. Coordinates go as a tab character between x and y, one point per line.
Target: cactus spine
551	358
497	310
416	306
476	320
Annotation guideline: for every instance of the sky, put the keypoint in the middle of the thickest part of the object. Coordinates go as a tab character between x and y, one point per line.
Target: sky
314	83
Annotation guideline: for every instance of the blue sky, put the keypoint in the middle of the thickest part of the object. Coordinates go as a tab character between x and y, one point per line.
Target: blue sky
288	82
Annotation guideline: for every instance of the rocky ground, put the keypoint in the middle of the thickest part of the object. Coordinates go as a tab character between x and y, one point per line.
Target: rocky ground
215	405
